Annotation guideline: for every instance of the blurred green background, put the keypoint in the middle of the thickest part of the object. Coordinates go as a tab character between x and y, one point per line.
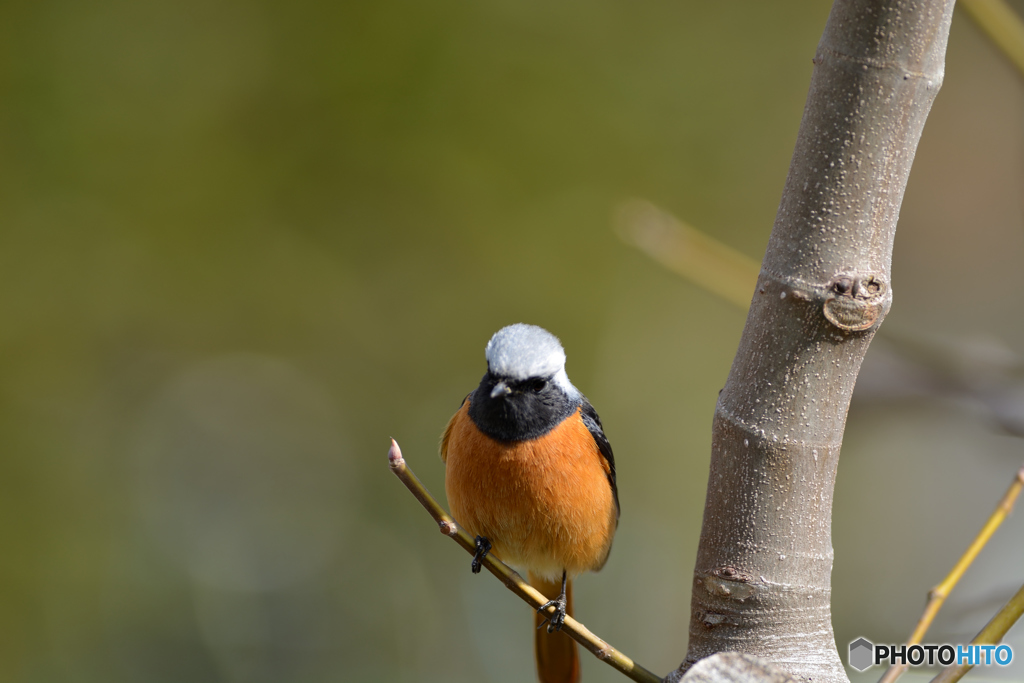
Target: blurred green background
243	243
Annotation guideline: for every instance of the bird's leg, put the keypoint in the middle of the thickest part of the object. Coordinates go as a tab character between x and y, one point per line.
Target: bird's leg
555	621
483	546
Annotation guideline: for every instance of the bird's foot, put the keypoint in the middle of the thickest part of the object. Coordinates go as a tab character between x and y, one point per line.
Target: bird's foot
483	546
557	618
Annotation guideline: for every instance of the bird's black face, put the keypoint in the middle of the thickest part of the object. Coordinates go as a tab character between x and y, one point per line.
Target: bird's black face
514	410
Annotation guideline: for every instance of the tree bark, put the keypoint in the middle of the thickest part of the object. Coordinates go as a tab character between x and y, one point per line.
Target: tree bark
761	584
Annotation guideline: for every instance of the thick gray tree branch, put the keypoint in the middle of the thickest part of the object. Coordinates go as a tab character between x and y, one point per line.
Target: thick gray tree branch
733	667
762	580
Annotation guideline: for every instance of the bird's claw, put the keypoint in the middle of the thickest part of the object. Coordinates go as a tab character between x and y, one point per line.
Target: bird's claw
557	618
483	546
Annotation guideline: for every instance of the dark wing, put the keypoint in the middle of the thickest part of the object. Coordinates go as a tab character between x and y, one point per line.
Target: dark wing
593	423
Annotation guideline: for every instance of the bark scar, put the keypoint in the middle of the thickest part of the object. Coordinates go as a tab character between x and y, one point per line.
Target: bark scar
713	619
856	301
728	582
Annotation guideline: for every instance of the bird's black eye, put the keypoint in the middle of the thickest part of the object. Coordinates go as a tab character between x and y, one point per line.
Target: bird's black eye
538	385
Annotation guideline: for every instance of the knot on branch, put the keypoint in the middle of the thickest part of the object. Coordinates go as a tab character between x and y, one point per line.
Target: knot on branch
727	582
731	573
856	302
712	619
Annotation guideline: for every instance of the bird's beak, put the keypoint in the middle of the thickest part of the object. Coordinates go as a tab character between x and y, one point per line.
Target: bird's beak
500	389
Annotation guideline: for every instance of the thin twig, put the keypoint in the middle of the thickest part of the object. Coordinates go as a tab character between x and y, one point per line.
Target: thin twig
1002	26
510	578
683	249
992	634
938	594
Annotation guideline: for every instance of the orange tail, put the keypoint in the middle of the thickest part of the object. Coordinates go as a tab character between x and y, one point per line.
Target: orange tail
557	659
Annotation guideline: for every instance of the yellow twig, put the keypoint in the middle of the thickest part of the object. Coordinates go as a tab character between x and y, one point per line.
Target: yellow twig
1002	26
992	634
688	252
938	594
510	578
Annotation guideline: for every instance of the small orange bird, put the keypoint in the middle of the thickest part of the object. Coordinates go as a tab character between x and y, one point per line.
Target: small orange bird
530	472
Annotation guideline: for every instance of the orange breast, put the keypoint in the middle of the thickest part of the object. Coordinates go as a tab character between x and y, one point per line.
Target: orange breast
545	504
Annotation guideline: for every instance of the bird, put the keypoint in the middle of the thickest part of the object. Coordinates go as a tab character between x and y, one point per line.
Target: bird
530	473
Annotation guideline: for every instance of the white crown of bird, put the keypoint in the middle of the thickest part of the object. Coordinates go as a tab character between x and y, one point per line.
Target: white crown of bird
522	351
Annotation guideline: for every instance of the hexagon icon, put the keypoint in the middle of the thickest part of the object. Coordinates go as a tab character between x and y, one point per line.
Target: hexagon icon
861	654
